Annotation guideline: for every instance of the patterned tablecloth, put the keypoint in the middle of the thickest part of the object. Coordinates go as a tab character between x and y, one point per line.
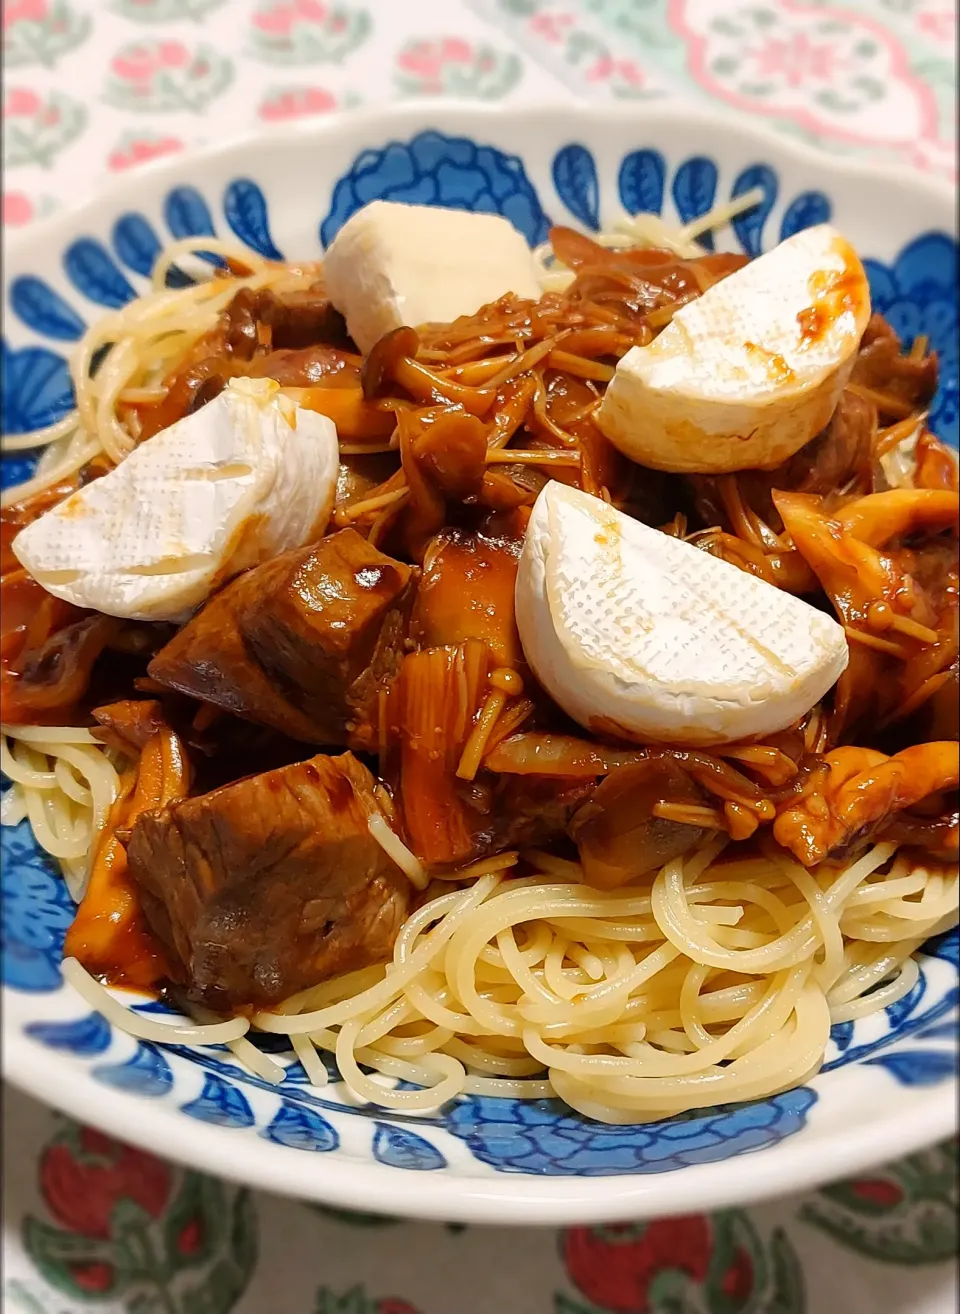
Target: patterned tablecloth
96	87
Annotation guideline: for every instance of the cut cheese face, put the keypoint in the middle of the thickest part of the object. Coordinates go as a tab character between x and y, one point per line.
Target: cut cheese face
393	264
746	374
244	478
639	634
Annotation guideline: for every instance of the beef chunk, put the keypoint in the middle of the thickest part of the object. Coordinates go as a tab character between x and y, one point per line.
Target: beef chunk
881	365
269	885
838	460
259	321
839	456
303	643
533	811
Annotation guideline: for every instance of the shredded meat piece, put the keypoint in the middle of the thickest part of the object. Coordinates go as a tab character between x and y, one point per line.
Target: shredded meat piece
358	477
862	789
534	811
938	716
297	339
447	819
199	382
259	321
929	839
899	604
639	279
48	649
744	525
269	885
906	382
303	643
655	802
618	833
838	461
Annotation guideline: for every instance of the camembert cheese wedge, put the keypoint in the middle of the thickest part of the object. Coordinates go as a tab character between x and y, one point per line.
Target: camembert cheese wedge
746	374
640	634
393	264
244	478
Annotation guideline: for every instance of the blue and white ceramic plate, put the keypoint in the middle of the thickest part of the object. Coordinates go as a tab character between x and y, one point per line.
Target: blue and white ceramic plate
889	1085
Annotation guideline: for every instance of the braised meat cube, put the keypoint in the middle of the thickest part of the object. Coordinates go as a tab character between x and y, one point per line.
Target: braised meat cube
303	644
269	885
906	382
259	322
534	811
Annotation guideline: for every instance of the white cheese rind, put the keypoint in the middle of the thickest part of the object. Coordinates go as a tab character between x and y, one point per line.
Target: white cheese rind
393	264
244	478
746	374
638	633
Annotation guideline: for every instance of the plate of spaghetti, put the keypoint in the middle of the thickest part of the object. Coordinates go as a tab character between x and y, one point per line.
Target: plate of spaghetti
479	663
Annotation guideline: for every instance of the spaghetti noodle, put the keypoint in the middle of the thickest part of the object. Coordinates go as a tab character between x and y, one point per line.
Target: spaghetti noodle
65	782
719	984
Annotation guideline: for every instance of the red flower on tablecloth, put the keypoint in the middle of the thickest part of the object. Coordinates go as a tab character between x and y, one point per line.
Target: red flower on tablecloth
624	77
37	128
23	11
166	75
454	66
284	17
426	61
39	31
552	27
17	209
877	1192
21	103
132	1229
138	148
718	1261
82	1178
284	103
615	1265
941	24
905	1214
90	1184
306	31
143	63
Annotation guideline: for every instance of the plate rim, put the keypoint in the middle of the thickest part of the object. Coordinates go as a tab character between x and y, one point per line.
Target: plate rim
790	1168
407	117
507	1198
